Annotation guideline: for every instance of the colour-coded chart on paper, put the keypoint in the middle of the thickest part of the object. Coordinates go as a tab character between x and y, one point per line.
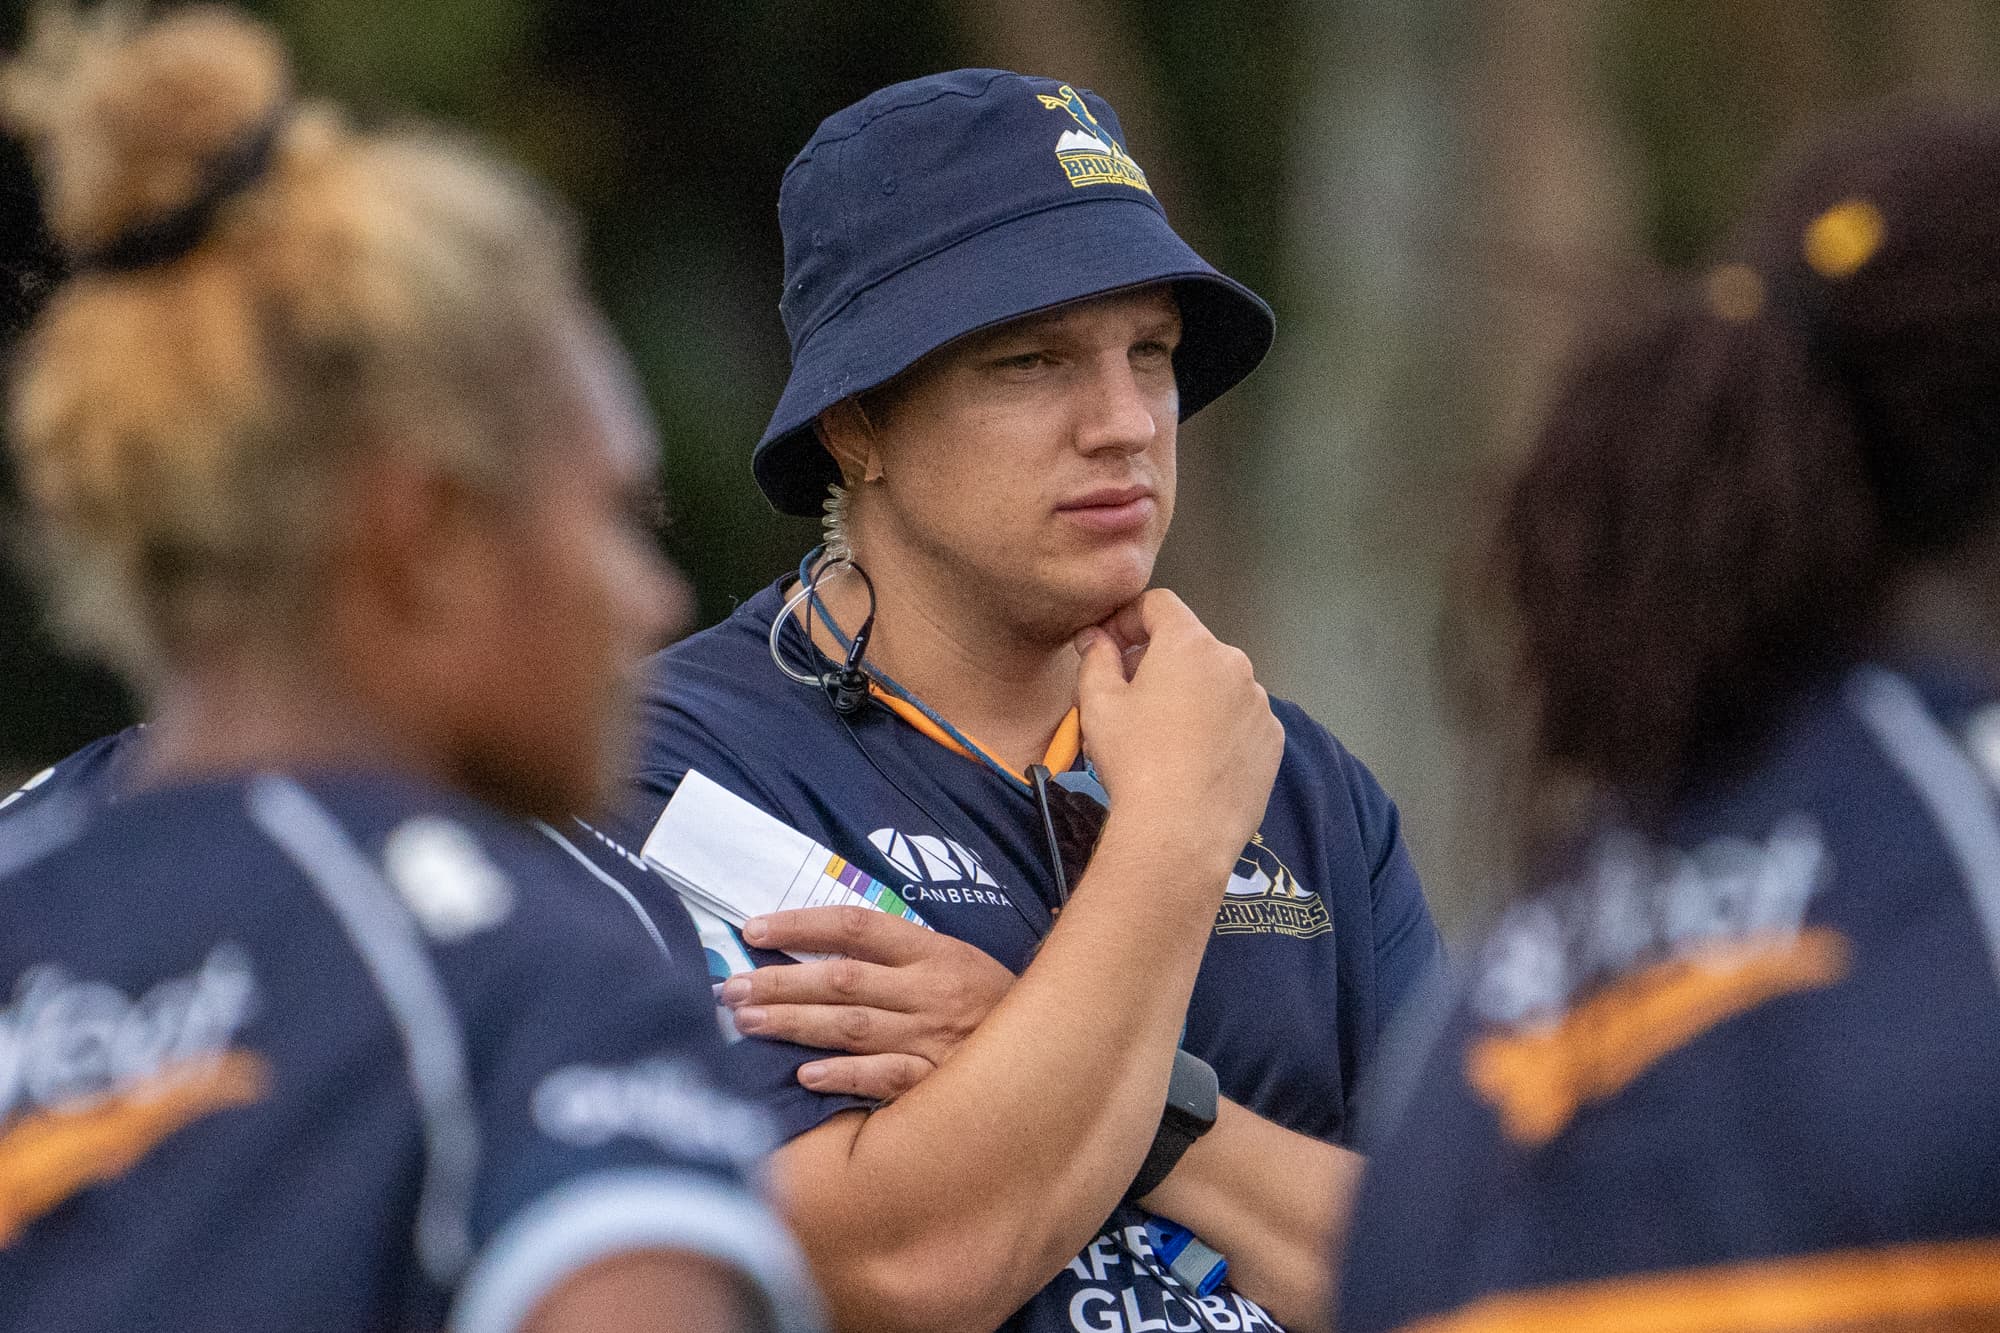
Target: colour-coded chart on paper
722	852
877	894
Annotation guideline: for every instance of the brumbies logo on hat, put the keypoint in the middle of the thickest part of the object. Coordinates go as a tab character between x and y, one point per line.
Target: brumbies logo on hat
929	210
1092	155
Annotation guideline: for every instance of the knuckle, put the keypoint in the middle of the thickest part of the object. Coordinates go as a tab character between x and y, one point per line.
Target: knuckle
851	925
907	1072
843	977
855	1025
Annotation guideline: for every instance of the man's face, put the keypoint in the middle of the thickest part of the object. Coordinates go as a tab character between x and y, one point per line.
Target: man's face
1031	465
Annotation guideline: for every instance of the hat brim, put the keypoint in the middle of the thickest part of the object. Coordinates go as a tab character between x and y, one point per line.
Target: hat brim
1021	267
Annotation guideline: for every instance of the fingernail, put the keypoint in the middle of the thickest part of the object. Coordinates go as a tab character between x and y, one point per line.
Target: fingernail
734	991
1084	638
756	928
750	1019
812	1075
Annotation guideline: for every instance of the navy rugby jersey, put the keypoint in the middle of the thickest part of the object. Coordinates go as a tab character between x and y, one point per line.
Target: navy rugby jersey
341	1051
97	776
1322	932
1749	1070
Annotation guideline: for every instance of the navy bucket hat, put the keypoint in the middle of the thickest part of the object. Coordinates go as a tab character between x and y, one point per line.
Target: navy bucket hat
948	204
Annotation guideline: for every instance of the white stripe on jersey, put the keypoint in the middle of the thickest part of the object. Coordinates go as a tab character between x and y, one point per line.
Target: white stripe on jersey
1959	800
28	786
634	1208
391	947
616	887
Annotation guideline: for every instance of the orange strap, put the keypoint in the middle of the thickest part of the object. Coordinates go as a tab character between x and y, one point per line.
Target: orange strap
1063	749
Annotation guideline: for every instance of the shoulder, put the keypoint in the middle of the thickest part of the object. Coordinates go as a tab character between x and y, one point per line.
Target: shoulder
87	774
717	702
1311	749
1319	772
391	857
734	651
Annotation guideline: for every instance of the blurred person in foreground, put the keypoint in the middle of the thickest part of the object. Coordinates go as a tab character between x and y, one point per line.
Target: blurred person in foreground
1733	1062
301	1026
995	336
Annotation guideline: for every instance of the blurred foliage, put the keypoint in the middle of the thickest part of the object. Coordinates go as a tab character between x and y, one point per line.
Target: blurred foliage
1707	90
667	127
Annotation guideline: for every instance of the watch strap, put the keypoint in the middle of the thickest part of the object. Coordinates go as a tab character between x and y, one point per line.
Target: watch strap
1192	1094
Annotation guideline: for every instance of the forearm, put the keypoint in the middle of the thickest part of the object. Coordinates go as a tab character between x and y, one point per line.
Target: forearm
1273	1202
973	1189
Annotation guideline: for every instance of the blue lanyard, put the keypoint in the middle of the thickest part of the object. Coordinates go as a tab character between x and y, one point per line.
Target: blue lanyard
889	686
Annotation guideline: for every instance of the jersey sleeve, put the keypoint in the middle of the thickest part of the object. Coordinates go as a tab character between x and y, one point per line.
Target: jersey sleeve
1408	947
604	1125
1414	1242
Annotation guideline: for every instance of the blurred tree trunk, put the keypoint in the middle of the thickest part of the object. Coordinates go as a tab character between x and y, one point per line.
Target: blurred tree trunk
1357	482
1941	44
1553	241
1452	199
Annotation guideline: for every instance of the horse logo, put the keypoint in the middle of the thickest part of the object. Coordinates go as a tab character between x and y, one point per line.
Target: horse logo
1090	154
1264	897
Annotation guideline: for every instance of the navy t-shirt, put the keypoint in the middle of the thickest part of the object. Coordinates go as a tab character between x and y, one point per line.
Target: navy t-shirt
1751	1065
341	1051
1322	933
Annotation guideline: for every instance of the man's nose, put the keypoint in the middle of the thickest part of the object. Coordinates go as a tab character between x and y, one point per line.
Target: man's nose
1120	409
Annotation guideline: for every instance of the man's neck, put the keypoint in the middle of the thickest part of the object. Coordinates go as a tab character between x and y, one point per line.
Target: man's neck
989	680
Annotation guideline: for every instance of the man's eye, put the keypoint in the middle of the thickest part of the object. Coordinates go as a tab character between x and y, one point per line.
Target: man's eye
1152	351
1022	361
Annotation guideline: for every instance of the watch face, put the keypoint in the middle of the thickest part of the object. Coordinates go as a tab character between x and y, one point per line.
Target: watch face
1191	1094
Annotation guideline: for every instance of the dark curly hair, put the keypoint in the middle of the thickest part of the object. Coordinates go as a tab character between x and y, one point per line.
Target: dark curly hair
1723	493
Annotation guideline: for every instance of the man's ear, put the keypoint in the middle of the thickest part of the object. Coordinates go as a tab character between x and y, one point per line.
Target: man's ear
845	431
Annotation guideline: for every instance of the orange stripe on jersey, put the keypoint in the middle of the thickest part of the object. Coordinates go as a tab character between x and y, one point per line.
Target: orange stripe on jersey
50	1155
1063	749
1952	1285
1538	1079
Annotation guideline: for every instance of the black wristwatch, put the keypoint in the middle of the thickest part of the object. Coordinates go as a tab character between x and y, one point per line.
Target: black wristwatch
1189	1114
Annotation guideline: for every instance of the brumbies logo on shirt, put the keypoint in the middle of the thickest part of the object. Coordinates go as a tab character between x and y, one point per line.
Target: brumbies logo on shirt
1089	154
91	1080
1265	898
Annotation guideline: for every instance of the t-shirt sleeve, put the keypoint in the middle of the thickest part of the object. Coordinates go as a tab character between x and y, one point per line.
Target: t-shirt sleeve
1408	947
604	1125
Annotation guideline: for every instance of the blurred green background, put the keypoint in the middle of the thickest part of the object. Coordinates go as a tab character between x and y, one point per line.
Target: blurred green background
1436	197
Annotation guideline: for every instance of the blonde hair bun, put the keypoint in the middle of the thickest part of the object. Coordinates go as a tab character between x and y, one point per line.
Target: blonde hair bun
127	119
263	293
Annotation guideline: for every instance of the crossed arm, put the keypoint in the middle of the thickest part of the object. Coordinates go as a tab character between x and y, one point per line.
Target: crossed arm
950	1206
905	999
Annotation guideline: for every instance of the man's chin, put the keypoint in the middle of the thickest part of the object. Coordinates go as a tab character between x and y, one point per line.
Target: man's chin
1098	599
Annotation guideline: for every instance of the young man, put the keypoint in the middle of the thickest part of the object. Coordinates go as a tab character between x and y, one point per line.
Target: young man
995	334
